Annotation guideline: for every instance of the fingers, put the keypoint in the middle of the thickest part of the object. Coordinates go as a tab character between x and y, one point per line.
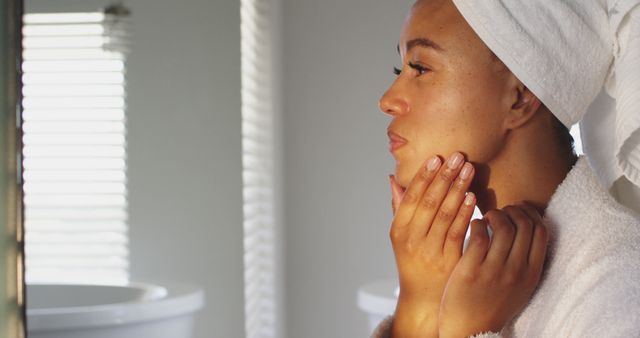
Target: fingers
539	242
455	236
502	239
450	209
413	194
396	193
535	216
524	233
478	244
430	202
519	240
538	250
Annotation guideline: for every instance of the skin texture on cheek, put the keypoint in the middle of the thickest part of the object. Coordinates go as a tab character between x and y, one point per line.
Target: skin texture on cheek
440	126
458	105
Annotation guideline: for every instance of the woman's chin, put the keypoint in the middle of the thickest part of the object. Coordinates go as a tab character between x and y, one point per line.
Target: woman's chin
404	175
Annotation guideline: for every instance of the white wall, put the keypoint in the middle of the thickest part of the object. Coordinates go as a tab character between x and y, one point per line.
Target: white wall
338	59
184	149
185	153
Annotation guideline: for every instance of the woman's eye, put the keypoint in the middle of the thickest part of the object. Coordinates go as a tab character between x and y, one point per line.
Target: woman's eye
396	71
421	69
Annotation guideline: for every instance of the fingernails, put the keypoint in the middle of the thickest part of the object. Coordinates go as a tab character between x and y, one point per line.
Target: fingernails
466	171
392	181
433	163
455	160
469	199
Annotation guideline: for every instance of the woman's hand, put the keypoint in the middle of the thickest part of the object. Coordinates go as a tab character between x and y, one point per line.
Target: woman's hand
495	277
427	234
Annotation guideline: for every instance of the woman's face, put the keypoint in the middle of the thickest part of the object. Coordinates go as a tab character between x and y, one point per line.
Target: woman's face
451	94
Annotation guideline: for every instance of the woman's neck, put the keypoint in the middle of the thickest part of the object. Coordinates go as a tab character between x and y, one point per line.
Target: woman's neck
527	170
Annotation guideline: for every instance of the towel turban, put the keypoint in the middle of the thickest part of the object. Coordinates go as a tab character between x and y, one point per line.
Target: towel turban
581	58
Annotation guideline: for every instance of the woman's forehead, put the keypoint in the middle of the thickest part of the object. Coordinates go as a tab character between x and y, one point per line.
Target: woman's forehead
439	22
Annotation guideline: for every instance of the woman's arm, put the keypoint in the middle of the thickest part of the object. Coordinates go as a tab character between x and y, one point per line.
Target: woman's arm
430	222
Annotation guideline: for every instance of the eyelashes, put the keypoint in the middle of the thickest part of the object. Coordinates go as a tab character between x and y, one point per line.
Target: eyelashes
415	66
419	68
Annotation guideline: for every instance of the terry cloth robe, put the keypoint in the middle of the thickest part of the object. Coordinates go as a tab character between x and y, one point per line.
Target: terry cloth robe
590	285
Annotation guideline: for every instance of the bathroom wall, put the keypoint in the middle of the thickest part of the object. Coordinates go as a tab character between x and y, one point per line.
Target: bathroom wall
184	149
338	59
185	153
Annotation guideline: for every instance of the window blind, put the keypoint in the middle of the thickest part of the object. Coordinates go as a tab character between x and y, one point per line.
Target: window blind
258	170
74	155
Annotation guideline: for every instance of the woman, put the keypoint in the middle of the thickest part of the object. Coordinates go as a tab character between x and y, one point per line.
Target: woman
501	116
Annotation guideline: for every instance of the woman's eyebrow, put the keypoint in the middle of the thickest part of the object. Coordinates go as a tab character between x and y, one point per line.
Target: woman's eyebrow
422	42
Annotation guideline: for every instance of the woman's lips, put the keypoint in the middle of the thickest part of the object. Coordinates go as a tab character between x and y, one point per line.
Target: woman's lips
395	141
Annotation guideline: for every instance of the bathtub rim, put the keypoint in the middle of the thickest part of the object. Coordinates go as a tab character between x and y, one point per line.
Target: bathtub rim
378	297
181	299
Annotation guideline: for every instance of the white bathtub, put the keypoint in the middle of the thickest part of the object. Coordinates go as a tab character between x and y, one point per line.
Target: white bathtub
137	310
378	300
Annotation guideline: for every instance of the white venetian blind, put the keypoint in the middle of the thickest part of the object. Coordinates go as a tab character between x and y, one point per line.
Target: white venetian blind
258	170
75	194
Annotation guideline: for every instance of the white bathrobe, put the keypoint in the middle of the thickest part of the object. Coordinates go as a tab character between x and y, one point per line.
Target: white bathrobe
590	285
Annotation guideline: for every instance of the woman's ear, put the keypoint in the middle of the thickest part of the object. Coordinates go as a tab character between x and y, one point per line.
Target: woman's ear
523	109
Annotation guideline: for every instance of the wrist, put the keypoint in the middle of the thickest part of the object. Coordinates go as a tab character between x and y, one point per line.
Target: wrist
414	321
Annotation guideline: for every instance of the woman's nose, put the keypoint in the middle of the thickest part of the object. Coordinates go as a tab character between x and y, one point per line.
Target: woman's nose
393	104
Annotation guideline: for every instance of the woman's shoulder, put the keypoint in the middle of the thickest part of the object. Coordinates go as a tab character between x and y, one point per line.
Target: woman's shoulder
582	209
590	289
